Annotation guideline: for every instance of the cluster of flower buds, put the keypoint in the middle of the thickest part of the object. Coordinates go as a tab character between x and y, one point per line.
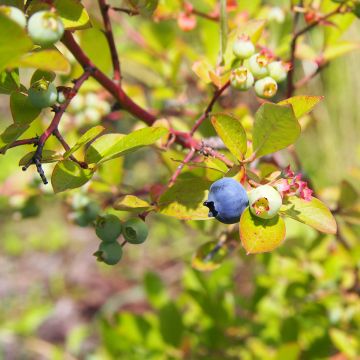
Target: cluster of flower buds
259	66
291	184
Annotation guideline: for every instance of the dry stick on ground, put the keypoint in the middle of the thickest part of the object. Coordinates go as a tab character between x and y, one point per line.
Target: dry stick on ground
104	8
53	127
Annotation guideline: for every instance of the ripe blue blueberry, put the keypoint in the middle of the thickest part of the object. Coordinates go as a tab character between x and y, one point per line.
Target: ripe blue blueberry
43	94
14	14
45	28
227	200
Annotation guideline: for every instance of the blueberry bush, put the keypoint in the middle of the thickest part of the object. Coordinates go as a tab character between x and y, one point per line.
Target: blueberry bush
191	115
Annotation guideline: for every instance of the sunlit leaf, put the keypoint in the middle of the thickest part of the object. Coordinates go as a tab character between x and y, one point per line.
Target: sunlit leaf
302	104
260	235
275	128
132	203
85	138
73	14
111	146
232	133
13	42
313	213
48	156
184	200
47	60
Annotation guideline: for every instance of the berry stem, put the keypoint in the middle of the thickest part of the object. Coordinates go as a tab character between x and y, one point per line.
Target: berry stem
178	170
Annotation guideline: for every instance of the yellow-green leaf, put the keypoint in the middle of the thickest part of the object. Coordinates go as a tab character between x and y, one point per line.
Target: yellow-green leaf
47	60
232	133
132	203
313	213
73	14
261	235
275	128
341	48
302	104
111	146
13	42
184	200
85	138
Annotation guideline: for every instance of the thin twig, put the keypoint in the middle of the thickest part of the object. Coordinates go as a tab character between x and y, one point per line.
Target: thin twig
59	111
208	109
296	35
104	8
131	12
178	170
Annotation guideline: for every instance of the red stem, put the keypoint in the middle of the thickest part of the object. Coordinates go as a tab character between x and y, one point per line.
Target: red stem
115	90
104	8
178	170
207	111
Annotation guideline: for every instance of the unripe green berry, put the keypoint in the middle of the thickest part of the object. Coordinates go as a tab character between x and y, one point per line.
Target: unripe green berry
277	71
264	201
258	65
14	14
42	94
243	49
108	228
45	28
266	88
109	253
135	231
241	78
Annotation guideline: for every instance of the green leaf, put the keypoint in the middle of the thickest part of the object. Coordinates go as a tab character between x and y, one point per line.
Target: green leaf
42	75
155	290
48	156
302	104
261	235
73	14
209	256
184	200
69	175
171	325
23	112
111	146
85	138
313	213
275	128
232	134
9	81
336	50
346	343
13	42
348	195
47	60
132	203
11	133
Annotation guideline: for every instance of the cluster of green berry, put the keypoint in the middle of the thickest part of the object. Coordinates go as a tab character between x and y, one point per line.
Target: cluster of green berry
45	28
108	228
259	67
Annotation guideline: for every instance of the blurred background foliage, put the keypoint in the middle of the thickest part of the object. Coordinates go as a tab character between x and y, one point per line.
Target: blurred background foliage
298	302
